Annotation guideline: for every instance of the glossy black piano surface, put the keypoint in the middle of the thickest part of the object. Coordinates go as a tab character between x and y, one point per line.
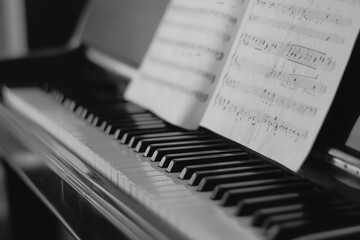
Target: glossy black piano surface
265	199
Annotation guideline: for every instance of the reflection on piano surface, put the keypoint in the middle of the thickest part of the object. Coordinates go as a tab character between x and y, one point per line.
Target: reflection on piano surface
121	171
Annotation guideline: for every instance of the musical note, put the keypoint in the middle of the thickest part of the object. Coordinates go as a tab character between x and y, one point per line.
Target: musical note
223	35
204	74
198	95
305	13
272	97
218	55
210	12
289	79
324	36
292	52
255	118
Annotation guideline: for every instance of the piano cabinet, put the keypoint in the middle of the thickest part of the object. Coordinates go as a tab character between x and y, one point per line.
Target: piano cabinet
46	178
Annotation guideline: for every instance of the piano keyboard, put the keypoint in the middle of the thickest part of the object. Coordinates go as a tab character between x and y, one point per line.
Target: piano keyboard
207	188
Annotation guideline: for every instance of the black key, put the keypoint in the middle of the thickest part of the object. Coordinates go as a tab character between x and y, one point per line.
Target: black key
126	138
161	152
99	119
110	129
250	205
261	215
125	107
188	171
135	139
233	197
198	176
143	144
178	164
209	183
105	108
128	121
165	161
221	189
119	133
153	147
138	137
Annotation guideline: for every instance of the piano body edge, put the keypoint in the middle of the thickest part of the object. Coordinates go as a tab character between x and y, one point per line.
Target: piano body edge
74	192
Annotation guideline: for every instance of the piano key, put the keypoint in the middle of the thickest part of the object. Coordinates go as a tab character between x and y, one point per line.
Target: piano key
209	183
144	143
188	171
220	190
292	229
111	128
175	194
250	205
161	152
198	176
165	161
123	121
262	214
99	119
119	133
137	137
153	147
126	107
178	164
104	108
126	138
232	197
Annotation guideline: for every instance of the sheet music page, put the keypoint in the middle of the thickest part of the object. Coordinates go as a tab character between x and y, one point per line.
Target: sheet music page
184	61
282	75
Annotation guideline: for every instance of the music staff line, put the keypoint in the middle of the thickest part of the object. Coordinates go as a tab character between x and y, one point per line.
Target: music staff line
211	77
349	1
305	13
198	95
291	80
253	117
324	36
225	37
217	55
299	54
271	97
208	12
229	2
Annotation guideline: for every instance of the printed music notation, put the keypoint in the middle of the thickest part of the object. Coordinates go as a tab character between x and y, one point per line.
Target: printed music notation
181	67
305	13
292	52
324	36
223	35
209	12
272	97
349	1
198	95
289	80
217	55
256	118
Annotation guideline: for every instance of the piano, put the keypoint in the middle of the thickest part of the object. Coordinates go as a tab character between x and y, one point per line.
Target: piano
108	169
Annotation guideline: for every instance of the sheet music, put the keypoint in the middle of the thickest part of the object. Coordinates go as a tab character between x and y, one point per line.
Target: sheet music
282	75
181	68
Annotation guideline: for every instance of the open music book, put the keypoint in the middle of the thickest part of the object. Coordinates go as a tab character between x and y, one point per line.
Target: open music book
261	72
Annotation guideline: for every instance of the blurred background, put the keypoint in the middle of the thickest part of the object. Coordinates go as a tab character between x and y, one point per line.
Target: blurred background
27	26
